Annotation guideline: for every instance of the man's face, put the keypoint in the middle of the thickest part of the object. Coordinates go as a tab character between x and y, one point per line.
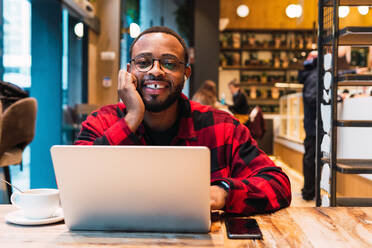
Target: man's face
161	85
233	90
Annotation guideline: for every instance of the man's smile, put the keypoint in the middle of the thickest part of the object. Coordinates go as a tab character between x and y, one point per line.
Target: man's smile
155	87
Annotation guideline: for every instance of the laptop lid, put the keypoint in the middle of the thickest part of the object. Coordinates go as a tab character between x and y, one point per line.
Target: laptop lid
134	188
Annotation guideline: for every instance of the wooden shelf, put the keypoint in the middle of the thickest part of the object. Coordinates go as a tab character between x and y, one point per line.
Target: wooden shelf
228	49
352	166
259	84
355	80
350	3
348	123
267	31
356	36
354	201
263	101
92	22
260	68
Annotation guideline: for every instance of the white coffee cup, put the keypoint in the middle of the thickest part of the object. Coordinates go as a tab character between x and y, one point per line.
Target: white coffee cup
37	203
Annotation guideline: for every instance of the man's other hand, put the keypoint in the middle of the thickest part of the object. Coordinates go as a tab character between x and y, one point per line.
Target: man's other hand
128	93
218	197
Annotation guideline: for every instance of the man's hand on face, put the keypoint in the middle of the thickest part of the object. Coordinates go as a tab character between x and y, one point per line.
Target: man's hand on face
218	197
127	92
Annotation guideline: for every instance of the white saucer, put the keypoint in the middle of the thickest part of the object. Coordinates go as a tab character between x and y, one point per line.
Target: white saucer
16	217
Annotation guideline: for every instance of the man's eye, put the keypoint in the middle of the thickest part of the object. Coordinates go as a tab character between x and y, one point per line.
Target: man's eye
169	64
143	63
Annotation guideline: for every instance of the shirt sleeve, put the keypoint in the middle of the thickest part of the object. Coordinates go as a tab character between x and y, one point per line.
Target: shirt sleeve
256	184
106	128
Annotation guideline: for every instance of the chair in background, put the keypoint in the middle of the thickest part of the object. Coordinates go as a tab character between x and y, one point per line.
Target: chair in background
83	110
72	119
256	123
17	129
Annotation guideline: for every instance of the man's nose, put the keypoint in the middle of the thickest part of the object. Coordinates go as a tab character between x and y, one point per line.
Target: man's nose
156	69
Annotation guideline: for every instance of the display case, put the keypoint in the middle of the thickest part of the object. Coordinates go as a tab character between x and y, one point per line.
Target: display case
292	118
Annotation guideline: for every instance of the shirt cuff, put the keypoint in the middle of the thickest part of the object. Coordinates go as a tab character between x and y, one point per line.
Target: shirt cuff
223	185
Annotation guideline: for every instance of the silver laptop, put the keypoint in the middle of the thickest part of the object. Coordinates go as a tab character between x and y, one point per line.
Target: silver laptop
134	188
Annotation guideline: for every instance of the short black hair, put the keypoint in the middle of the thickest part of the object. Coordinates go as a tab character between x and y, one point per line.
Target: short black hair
166	30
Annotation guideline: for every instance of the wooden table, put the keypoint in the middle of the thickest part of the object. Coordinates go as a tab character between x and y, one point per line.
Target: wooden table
291	227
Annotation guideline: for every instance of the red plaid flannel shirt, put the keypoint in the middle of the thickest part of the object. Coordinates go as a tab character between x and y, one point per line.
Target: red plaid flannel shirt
256	183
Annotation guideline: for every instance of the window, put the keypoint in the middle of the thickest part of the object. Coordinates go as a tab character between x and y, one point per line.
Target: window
17	66
17	42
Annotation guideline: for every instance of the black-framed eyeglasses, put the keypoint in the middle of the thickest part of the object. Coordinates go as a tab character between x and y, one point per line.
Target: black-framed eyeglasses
167	64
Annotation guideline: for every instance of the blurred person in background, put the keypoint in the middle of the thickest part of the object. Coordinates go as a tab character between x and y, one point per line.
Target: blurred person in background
207	95
345	94
309	78
240	104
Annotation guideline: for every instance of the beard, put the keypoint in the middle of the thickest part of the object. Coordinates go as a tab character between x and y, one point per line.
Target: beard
155	105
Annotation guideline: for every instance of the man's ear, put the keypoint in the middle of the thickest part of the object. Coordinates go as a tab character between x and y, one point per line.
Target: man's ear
188	72
128	67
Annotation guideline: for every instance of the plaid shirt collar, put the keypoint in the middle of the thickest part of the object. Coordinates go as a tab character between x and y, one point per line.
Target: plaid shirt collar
186	129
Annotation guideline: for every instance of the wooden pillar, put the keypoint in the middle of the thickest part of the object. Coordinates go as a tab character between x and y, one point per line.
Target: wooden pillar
108	11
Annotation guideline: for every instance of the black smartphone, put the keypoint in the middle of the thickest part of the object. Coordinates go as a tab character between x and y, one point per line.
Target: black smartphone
242	228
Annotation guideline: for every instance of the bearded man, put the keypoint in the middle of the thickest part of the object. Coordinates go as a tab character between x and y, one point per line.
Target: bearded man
155	112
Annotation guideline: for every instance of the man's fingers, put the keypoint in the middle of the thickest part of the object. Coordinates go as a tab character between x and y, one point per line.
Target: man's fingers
133	79
121	79
213	205
125	79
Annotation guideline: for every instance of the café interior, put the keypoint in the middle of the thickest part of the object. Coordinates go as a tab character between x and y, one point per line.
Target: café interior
65	55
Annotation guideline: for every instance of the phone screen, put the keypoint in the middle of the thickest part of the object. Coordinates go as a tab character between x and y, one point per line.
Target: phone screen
242	228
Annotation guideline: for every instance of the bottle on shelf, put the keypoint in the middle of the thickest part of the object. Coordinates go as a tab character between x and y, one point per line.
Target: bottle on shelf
277	41
223	61
252	40
263	78
253	92
269	95
309	42
276	62
223	40
236	40
285	61
223	99
263	93
275	93
236	59
300	41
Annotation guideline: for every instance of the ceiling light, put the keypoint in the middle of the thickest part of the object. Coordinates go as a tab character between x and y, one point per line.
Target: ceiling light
363	10
294	11
134	30
79	29
242	10
343	11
